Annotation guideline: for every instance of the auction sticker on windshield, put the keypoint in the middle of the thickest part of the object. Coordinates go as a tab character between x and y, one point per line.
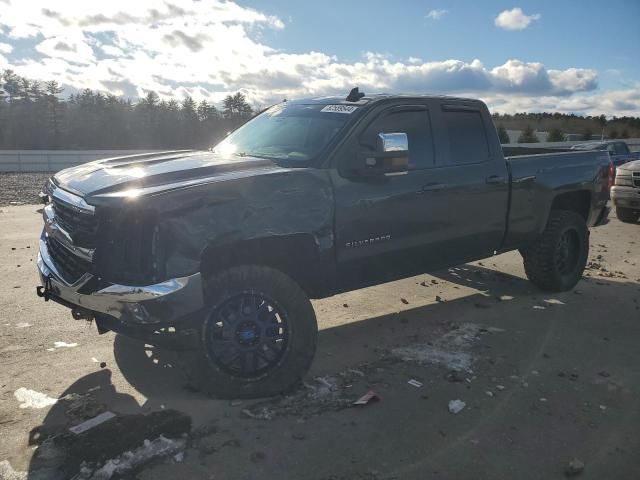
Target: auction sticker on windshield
339	108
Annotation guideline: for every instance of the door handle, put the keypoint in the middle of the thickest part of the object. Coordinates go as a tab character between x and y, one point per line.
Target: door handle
493	179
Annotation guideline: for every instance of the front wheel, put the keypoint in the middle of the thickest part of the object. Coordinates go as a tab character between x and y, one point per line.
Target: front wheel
627	215
556	261
258	334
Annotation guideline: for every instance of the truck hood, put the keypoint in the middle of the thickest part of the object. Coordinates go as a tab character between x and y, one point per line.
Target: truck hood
150	173
634	166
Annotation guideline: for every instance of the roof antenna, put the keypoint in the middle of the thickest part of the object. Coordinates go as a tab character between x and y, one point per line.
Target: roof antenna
354	95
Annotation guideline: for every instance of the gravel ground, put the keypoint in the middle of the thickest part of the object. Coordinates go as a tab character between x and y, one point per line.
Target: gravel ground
21	188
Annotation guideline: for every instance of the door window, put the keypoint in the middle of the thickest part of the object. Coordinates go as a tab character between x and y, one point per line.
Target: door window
467	136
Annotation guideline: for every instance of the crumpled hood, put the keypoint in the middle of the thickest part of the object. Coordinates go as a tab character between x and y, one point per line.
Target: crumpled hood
154	171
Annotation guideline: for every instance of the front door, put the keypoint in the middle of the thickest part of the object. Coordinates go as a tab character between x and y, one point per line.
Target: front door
391	226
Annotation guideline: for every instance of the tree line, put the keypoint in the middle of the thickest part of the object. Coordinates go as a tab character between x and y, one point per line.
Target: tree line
558	125
34	115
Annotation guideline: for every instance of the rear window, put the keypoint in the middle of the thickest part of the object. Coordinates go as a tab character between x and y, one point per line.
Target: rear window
467	136
622	148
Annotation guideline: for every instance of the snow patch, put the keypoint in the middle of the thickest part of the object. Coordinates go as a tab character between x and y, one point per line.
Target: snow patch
448	350
33	399
22	325
64	345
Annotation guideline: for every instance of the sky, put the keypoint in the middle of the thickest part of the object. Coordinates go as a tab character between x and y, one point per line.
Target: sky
568	56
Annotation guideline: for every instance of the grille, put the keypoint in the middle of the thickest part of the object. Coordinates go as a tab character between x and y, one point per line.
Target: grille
69	265
79	224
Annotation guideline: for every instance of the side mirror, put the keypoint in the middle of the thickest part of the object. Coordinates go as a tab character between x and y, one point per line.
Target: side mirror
390	158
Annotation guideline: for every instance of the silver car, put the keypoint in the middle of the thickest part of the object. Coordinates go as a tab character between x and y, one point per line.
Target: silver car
625	193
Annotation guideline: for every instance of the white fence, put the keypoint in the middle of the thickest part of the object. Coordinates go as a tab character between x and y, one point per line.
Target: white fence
53	160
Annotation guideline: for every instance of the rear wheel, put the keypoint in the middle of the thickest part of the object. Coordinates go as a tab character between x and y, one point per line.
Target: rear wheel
258	335
556	261
627	215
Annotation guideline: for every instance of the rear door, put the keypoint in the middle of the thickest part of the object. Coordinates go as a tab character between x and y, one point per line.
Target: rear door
478	184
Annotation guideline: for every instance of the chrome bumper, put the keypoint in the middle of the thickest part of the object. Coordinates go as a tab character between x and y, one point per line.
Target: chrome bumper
622	196
161	303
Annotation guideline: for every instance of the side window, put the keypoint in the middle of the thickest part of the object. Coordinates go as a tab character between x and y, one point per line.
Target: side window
611	148
416	124
467	137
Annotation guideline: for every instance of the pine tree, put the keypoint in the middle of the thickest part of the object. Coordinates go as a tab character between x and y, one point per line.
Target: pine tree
528	135
503	135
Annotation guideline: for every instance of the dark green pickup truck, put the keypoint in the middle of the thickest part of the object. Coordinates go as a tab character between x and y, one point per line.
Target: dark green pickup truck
219	251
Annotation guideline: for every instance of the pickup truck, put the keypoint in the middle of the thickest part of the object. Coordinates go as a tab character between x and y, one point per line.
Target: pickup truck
618	150
625	194
219	251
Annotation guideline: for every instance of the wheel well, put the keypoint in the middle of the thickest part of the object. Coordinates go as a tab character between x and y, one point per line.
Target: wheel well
578	202
295	255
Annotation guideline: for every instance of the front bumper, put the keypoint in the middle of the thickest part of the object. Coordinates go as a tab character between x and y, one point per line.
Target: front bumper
626	197
149	305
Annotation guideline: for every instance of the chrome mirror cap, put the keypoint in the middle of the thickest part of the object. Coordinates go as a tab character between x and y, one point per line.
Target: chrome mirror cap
393	142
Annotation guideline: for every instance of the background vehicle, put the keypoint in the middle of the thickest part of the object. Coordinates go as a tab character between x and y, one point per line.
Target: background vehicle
221	250
618	150
625	194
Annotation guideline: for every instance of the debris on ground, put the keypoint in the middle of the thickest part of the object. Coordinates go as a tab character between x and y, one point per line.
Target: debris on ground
405	301
415	383
92	422
574	468
57	345
456	406
81	406
454	377
130	460
367	398
262	413
110	448
32	399
312	398
447	350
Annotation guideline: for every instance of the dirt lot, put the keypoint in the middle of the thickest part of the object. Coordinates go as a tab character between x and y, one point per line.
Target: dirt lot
545	379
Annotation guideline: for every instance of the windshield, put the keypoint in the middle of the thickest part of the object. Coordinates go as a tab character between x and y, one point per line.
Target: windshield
286	132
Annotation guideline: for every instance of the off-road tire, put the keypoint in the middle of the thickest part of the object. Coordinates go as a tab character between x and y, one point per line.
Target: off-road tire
627	215
296	359
541	258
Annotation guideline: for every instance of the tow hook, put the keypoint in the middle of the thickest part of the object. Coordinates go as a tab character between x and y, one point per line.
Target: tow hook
44	291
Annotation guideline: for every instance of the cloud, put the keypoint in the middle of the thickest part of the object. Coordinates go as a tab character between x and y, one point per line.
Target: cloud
5	48
437	14
614	102
515	19
210	49
178	39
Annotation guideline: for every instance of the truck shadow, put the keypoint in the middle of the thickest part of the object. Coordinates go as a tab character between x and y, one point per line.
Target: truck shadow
159	374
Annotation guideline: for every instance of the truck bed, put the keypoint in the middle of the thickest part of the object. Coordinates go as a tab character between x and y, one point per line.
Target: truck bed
537	179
